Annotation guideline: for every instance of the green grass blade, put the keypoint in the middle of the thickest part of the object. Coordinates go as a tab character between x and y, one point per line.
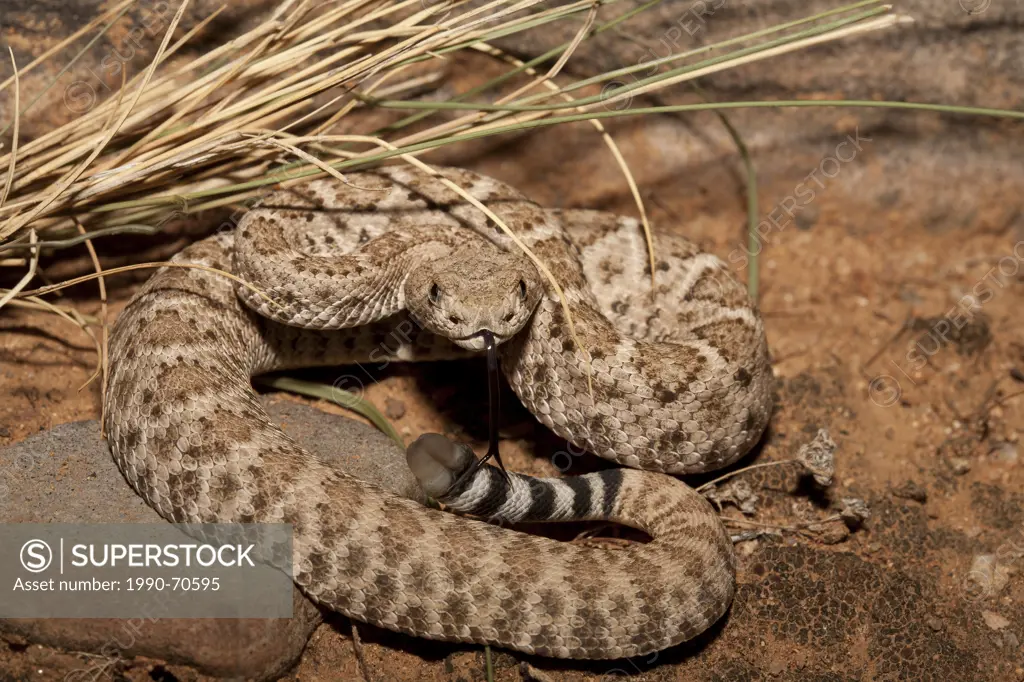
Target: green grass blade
337	396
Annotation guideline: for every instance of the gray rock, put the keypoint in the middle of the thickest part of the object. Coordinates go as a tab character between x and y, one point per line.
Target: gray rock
348	445
66	474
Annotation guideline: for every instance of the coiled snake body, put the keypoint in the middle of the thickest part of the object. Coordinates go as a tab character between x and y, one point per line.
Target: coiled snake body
397	266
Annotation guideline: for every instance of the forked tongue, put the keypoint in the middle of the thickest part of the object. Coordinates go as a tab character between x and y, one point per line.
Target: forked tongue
493	386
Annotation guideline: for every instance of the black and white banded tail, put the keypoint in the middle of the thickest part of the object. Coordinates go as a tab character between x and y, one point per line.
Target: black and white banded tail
441	464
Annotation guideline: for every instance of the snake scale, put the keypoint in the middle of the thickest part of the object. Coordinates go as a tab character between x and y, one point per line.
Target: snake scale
394	265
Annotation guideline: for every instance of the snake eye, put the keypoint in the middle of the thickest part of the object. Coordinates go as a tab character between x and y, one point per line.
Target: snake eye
435	293
522	290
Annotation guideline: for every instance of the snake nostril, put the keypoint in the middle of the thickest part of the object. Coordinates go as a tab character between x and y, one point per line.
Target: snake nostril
454	319
508	318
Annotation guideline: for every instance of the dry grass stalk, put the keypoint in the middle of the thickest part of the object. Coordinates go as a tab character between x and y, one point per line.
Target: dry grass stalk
17	130
264	79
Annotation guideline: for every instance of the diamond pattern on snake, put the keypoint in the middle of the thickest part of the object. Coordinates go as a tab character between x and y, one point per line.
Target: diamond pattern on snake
670	381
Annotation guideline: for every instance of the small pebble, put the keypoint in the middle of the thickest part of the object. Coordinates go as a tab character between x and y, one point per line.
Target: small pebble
911	490
818	458
854	512
394	409
1005	452
994	620
959	465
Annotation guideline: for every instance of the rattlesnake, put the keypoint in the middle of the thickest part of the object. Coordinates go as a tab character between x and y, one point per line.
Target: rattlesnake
679	379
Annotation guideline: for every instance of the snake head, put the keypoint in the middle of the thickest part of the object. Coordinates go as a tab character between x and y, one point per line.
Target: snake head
467	292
